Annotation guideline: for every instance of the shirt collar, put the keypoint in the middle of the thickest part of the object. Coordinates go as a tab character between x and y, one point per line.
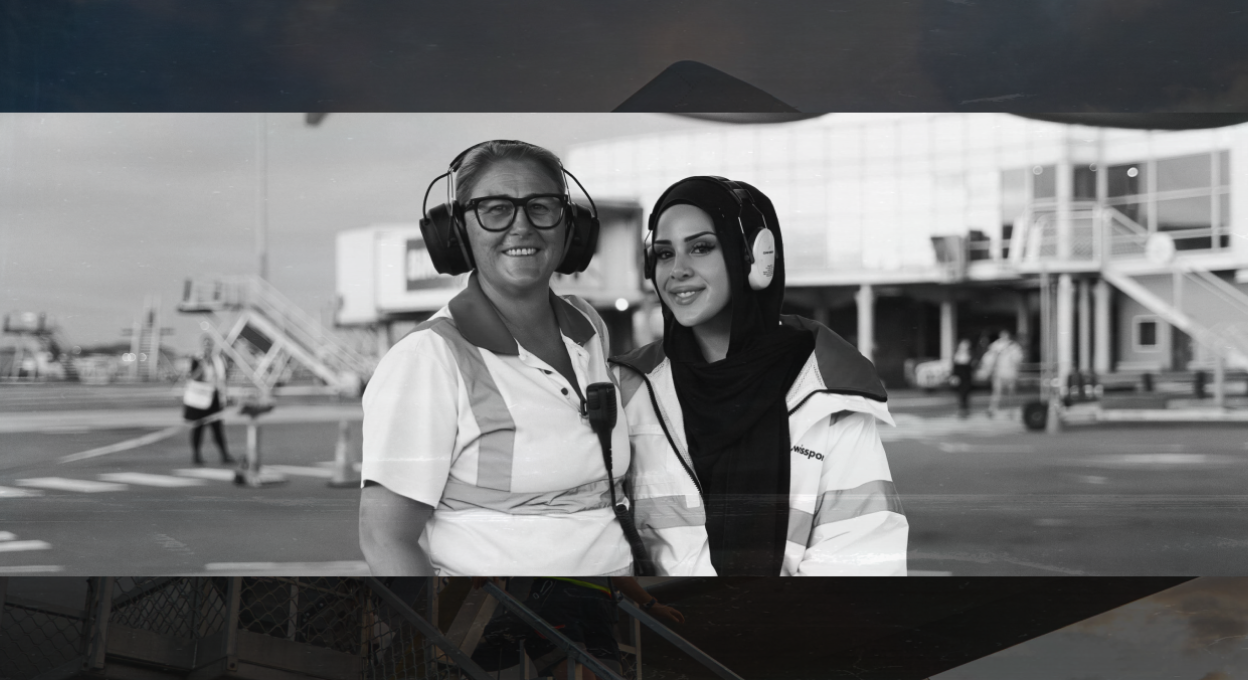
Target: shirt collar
479	323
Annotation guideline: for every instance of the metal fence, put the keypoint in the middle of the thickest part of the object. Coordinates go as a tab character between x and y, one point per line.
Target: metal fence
37	638
252	627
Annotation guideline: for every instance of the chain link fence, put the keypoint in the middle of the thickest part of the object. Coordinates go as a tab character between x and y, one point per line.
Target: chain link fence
38	638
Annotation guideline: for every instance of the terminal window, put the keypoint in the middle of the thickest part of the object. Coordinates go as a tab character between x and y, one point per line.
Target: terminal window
1145	333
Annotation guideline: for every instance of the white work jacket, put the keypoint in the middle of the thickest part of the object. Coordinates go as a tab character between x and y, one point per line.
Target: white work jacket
845	517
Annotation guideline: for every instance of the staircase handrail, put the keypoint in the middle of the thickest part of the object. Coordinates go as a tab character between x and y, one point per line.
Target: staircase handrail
254	292
278	307
430	631
551	633
1216	285
679	642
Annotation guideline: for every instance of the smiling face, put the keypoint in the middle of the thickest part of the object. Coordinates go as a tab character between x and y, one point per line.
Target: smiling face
689	271
522	258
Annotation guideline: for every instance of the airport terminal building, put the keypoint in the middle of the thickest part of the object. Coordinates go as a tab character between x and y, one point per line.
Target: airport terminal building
906	231
1105	250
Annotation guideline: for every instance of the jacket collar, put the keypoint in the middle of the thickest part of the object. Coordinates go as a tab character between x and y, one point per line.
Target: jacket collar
479	323
841	367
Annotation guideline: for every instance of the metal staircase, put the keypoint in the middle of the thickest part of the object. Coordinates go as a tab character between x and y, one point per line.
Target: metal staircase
261	628
1196	301
266	335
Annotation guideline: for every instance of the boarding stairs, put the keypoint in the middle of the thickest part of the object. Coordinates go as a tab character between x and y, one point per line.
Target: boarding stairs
1102	239
266	627
266	335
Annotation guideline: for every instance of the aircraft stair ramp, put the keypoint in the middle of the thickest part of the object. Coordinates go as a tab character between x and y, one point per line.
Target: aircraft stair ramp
265	334
262	628
1208	308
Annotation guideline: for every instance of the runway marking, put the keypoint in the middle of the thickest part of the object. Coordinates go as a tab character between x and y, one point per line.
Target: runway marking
1148	459
32	569
1092	479
7	535
145	479
329	464
21	546
10	492
65	484
300	470
352	568
215	474
960	447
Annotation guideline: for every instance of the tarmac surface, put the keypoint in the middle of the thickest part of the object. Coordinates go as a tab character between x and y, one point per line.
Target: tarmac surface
983	496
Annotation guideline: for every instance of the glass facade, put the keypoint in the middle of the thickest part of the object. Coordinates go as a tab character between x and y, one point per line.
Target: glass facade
867	192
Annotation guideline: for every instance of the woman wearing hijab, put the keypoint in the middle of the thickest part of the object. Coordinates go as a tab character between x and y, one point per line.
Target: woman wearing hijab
755	449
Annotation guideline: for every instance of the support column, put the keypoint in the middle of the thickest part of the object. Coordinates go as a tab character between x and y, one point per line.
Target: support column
948	330
866	321
1065	328
1065	195
1085	326
1022	317
1101	312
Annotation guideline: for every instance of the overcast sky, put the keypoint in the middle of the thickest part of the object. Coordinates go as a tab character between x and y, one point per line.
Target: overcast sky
1194	631
99	210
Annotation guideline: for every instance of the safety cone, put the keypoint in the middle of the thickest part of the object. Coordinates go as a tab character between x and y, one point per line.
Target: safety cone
345	474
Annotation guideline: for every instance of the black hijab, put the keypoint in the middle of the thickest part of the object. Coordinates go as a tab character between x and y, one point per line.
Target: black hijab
735	415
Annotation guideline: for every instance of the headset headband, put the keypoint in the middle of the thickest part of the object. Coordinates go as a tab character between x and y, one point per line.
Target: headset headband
739	194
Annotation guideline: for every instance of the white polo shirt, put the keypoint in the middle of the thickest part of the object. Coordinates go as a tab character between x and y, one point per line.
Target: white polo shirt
462	418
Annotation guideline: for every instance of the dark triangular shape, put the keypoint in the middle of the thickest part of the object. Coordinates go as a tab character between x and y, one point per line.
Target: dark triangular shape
691	87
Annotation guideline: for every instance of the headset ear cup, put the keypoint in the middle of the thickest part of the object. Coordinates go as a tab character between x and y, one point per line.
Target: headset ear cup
763	249
582	242
648	260
444	242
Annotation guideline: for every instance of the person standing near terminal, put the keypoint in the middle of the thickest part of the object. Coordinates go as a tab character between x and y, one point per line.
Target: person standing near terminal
205	385
963	375
755	448
478	456
1004	356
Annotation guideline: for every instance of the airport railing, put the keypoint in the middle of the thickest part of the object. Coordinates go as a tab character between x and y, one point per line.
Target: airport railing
39	640
577	656
248	628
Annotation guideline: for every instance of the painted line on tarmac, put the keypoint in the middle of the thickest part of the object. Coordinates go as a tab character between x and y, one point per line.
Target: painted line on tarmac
346	568
66	484
10	492
1158	459
960	447
31	569
21	546
136	442
301	470
214	474
145	479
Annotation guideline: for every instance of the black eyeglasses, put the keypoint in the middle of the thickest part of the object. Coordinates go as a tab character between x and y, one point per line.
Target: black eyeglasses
498	213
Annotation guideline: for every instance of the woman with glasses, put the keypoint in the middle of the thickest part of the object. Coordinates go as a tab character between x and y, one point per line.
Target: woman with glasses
478	458
755	448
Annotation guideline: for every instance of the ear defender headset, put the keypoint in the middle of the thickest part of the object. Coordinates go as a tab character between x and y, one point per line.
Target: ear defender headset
446	235
760	243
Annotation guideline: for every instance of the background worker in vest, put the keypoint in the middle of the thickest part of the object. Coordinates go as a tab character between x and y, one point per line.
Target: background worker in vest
583	609
477	456
204	396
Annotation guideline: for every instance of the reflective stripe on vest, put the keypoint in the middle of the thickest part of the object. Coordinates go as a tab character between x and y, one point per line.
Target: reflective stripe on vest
592	496
878	495
666	512
496	446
